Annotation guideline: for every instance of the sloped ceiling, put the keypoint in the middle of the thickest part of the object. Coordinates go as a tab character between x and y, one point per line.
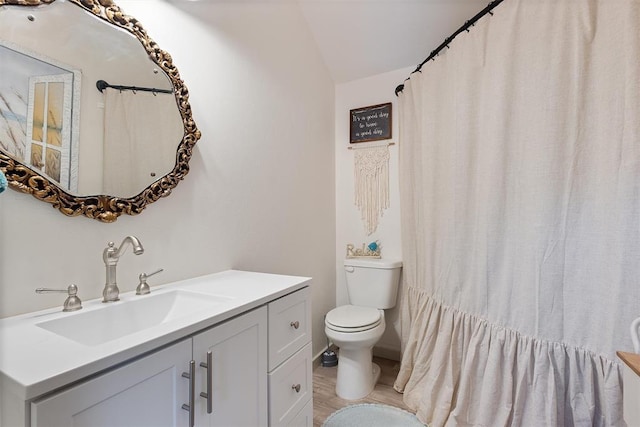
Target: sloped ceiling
361	38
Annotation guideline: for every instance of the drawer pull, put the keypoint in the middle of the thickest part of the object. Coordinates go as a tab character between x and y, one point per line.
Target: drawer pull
192	390
209	394
296	387
295	325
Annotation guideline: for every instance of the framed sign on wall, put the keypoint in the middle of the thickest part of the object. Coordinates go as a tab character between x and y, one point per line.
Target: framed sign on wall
371	123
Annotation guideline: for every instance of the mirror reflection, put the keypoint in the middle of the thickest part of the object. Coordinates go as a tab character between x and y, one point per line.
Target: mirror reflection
86	140
36	101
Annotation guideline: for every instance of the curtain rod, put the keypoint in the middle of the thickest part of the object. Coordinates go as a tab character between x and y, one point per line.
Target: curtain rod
102	85
470	23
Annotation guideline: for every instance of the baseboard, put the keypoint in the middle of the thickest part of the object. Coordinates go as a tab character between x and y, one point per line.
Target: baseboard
317	360
384	352
387	353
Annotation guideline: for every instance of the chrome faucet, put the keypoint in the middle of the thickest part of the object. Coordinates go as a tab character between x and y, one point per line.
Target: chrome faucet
111	255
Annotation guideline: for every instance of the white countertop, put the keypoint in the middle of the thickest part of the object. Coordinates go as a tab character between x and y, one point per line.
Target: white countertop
34	361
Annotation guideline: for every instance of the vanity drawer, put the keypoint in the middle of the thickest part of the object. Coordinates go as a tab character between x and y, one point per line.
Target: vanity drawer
290	388
304	417
289	326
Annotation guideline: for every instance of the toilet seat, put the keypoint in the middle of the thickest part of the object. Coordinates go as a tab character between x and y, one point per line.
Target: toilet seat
353	318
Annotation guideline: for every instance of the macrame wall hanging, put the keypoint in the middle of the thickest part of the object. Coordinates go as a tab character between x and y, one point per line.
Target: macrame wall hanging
371	177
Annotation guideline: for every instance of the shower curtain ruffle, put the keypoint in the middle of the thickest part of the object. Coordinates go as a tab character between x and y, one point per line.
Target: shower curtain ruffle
482	374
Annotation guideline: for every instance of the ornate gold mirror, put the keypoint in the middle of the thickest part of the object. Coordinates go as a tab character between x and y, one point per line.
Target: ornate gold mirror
94	117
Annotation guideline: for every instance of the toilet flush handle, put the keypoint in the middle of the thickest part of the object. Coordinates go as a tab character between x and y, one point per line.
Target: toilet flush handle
349	269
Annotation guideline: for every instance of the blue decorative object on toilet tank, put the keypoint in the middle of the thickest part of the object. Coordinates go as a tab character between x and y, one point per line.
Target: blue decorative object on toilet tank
373	246
3	182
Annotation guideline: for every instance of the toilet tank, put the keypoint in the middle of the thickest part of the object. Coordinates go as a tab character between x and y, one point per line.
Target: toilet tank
372	282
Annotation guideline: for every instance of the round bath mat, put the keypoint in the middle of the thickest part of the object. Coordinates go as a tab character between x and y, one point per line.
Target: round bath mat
371	415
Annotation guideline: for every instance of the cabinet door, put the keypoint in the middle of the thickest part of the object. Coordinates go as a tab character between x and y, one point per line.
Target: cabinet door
238	371
147	392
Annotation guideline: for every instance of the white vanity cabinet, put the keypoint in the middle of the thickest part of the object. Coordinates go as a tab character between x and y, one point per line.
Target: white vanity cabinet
290	360
152	390
241	358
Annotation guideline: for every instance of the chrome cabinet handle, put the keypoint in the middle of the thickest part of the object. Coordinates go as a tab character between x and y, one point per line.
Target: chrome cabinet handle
192	391
296	387
209	394
295	325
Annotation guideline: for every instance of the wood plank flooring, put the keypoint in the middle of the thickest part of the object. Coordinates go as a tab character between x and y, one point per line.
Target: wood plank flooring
325	401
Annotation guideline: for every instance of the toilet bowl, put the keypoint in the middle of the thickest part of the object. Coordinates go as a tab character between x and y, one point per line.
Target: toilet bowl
355	328
357	374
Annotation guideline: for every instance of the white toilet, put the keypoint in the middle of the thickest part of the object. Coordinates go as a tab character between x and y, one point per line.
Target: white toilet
372	285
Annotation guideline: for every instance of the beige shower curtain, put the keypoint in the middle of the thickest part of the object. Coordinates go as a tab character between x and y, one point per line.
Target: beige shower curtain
520	196
142	131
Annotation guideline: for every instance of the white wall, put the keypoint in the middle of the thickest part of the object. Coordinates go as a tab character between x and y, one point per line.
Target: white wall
373	90
260	194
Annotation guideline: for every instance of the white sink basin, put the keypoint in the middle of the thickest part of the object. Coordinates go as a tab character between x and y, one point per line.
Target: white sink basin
118	319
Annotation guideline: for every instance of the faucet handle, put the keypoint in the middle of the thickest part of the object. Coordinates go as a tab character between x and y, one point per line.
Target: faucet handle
143	288
72	303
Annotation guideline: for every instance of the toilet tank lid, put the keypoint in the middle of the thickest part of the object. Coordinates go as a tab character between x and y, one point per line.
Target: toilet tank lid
372	263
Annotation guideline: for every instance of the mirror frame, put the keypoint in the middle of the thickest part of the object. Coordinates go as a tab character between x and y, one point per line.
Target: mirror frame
107	208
